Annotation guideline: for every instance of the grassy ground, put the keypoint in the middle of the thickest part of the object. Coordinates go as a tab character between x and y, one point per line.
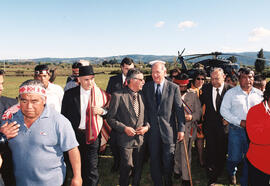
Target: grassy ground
106	177
12	83
198	174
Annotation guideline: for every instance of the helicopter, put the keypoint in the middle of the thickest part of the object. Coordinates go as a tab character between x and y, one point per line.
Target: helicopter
208	64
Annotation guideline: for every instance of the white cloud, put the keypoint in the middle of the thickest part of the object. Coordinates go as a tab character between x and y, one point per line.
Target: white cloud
258	34
159	24
186	24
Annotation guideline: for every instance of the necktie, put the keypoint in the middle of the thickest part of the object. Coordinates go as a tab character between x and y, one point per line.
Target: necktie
125	83
135	104
158	94
218	100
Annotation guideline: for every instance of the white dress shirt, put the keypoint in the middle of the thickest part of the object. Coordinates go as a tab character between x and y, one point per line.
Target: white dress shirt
160	87
55	95
214	93
123	78
84	98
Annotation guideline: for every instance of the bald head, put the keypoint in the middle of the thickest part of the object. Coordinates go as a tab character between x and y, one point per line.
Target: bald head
217	77
158	72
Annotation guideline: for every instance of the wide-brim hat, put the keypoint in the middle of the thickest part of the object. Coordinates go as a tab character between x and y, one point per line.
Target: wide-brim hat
86	71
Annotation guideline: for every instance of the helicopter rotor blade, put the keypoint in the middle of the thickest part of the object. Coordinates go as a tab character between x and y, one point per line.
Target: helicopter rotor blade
255	58
182	51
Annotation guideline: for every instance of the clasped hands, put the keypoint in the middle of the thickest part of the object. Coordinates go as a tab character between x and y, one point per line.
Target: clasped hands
97	110
139	131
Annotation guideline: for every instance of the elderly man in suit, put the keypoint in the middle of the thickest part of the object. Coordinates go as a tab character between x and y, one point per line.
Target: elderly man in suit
214	126
83	106
127	116
165	112
117	83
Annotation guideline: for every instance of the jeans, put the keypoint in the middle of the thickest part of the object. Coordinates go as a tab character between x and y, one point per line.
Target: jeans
237	149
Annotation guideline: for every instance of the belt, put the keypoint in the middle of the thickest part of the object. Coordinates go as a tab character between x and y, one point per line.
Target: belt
81	130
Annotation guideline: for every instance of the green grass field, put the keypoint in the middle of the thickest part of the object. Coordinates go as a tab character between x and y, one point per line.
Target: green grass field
107	178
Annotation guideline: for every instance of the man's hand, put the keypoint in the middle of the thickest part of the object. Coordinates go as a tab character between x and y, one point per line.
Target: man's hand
75	161
243	123
225	122
180	136
130	131
76	181
102	148
10	130
188	117
1	161
97	110
142	130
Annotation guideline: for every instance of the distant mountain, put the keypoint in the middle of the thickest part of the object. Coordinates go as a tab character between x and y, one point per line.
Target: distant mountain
249	58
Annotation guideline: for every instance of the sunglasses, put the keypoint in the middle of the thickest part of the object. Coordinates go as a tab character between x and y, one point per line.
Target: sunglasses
200	79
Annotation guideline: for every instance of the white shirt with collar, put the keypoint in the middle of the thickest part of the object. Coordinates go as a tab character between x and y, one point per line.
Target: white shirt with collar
84	98
160	87
55	95
214	93
123	78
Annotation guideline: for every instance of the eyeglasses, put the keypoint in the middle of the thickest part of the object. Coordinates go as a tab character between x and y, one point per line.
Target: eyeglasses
139	79
200	79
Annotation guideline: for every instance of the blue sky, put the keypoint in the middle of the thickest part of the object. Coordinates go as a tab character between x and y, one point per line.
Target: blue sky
80	28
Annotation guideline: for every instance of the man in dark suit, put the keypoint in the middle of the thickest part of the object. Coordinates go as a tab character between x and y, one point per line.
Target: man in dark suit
165	111
83	106
7	168
127	116
214	125
117	83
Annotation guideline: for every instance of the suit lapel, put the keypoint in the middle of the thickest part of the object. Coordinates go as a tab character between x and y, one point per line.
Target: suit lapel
164	93
121	80
223	91
128	103
152	94
77	100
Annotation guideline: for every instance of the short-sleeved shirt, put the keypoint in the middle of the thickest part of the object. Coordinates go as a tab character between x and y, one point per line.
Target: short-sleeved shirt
38	151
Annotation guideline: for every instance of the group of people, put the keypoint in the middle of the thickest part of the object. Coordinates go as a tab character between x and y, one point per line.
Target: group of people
55	136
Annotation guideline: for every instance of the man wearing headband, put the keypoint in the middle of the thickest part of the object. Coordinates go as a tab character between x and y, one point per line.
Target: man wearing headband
193	111
234	108
84	106
43	136
54	92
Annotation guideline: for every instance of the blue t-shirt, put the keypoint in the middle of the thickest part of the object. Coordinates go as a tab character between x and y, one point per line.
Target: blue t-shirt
38	151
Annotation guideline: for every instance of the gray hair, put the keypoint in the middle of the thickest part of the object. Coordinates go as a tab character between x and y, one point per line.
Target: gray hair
217	69
162	63
132	73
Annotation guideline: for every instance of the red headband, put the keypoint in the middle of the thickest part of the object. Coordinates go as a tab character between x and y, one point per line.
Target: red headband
28	89
181	82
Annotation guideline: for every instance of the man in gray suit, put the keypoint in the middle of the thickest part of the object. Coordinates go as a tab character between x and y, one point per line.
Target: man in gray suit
165	110
126	116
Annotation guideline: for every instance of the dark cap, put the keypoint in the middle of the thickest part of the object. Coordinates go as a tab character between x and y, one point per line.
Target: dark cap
41	69
86	71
